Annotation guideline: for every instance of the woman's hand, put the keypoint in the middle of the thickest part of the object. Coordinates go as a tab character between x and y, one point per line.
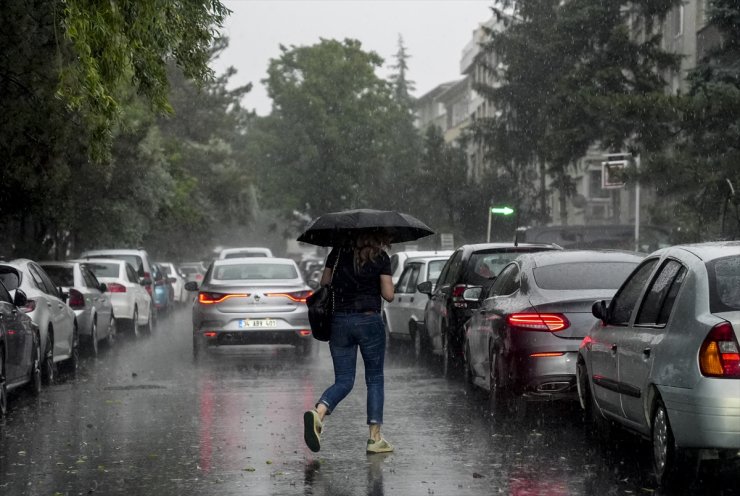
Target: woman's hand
386	287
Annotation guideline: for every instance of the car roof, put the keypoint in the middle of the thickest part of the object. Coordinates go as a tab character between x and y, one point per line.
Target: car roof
545	258
428	258
254	260
99	260
59	263
424	253
122	251
247	249
507	246
711	250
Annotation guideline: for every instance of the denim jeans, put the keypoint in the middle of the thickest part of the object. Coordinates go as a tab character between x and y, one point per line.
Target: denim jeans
348	332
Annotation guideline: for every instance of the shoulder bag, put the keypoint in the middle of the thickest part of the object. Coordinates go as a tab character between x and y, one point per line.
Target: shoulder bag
321	308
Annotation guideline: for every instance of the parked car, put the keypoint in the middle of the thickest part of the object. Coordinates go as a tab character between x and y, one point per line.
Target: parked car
20	347
180	295
139	260
163	293
245	252
193	271
87	297
256	300
447	310
404	316
57	323
664	360
132	305
522	343
398	260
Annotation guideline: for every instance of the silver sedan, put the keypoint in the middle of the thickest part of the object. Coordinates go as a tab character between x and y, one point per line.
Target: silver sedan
251	301
665	362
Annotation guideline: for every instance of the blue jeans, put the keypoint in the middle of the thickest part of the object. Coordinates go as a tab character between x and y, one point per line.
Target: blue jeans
348	332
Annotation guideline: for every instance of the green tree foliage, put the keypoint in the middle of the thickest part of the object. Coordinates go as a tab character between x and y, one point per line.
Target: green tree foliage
698	180
329	143
572	75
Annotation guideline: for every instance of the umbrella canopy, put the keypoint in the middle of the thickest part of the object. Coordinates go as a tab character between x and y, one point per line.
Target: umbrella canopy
336	228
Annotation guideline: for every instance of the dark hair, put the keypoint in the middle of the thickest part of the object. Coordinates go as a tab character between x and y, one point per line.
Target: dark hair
368	246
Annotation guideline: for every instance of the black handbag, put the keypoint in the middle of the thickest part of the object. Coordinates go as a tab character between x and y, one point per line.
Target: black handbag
321	308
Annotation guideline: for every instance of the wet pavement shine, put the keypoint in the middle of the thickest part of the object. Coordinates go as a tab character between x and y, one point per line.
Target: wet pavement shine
144	419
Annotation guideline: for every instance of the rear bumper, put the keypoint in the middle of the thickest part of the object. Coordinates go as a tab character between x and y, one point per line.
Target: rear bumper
123	307
252	336
546	377
707	416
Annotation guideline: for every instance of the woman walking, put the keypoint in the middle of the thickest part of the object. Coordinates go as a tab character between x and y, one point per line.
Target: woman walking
363	276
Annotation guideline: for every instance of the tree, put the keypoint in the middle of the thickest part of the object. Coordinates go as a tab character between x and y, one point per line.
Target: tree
327	144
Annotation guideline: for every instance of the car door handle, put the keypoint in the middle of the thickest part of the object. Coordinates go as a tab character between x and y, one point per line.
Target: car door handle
646	353
411	299
48	304
614	349
60	306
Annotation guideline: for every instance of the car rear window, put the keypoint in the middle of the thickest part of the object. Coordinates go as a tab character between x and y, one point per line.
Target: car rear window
583	275
234	272
724	284
135	260
102	269
166	269
245	254
435	269
484	265
61	276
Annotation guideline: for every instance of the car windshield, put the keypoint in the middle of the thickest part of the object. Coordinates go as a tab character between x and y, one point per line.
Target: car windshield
135	260
583	275
724	284
484	265
60	275
104	269
246	271
189	269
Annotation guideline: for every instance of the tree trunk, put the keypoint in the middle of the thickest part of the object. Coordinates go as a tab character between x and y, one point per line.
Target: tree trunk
563	200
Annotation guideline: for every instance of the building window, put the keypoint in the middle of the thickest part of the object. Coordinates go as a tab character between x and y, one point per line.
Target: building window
677	21
595	191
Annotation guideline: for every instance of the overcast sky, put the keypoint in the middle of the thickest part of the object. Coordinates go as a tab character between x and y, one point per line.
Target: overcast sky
434	32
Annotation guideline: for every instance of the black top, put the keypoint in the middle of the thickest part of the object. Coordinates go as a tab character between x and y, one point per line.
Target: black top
357	291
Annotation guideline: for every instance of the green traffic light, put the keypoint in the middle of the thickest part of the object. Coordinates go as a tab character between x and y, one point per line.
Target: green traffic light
502	210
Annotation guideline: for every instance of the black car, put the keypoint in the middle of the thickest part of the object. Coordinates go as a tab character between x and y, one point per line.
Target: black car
447	310
522	343
20	348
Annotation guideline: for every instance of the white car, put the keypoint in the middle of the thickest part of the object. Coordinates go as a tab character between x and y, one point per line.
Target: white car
178	281
406	311
132	305
398	260
57	324
139	260
250	251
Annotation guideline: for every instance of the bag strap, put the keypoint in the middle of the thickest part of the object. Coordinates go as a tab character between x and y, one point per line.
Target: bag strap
336	263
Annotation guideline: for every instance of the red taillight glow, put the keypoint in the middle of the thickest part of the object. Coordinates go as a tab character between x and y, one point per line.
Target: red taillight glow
305	332
209	334
114	287
719	355
457	291
211	298
547	354
75	300
29	307
550	322
297	296
198	277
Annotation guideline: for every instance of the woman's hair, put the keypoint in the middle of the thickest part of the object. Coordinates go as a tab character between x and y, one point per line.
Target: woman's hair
368	246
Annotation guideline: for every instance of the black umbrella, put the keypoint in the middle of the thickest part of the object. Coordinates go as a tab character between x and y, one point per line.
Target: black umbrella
336	228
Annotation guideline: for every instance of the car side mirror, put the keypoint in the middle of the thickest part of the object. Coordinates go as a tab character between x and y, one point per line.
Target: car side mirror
472	294
103	288
145	281
425	287
63	295
20	299
601	311
192	286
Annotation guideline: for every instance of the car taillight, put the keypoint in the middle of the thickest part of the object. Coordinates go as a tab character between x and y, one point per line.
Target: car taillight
719	355
457	291
297	296
305	332
208	298
29	307
114	287
548	322
75	299
198	277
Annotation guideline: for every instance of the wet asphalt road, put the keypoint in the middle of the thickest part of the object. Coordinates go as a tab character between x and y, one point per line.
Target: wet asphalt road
142	419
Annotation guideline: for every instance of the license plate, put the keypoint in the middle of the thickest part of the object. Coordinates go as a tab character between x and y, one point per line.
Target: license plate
249	323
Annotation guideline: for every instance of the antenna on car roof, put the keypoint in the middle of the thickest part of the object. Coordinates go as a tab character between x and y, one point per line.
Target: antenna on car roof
516	237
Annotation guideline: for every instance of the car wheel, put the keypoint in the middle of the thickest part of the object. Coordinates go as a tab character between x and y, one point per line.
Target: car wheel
502	403
672	466
72	364
468	369
3	389
112	332
49	368
135	323
446	365
584	393
151	323
417	334
92	345
35	384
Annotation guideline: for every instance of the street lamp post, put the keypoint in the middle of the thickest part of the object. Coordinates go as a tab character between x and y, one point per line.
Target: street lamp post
497	211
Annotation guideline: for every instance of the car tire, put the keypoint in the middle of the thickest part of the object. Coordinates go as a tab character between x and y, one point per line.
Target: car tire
3	388
151	323
135	331
673	467
469	376
72	364
34	386
92	343
418	338
48	366
500	401
110	340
